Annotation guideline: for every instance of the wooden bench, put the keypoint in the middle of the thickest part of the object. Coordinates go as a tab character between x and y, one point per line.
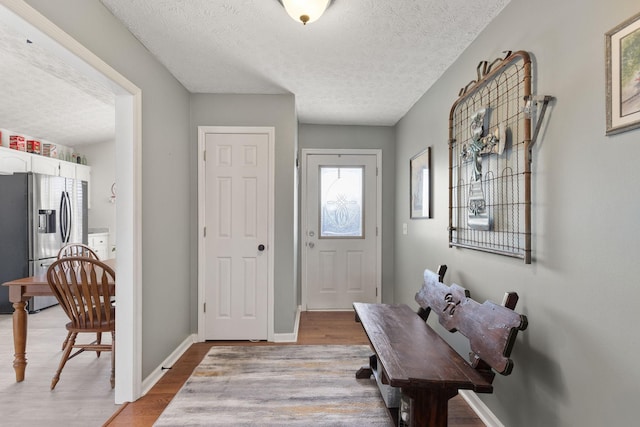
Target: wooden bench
411	356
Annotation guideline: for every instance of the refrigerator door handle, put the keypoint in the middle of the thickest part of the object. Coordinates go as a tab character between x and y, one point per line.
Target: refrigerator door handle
62	217
69	217
65	217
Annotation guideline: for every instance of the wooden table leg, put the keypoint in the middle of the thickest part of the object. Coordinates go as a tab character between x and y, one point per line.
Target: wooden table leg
19	339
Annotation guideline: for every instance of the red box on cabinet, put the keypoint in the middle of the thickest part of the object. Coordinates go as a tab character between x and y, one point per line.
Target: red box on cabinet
33	146
17	142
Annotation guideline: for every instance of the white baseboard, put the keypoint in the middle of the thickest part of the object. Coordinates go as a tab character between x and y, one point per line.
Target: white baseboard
482	411
157	373
292	337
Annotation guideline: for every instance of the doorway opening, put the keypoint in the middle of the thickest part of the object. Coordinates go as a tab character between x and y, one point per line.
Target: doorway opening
128	113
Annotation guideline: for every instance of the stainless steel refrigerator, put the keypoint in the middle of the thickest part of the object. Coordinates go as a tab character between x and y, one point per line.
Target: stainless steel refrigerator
38	215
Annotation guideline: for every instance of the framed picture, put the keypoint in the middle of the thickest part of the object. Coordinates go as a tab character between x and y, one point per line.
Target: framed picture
623	76
420	182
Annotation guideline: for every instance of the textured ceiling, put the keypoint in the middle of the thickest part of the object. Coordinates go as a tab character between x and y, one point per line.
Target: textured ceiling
364	62
45	98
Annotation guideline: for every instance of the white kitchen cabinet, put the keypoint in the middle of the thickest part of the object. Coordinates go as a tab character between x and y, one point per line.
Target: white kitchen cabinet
99	242
45	165
14	161
19	161
83	172
56	167
68	169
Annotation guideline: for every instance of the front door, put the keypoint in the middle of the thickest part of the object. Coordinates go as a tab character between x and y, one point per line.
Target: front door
341	203
236	243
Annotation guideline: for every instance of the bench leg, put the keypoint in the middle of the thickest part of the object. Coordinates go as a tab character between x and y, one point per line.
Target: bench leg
429	408
364	373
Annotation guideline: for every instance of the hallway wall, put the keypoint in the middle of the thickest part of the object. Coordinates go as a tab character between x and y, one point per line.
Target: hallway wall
575	364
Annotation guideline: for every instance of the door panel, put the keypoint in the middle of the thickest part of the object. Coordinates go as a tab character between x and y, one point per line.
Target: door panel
355	271
224	288
236	269
340	210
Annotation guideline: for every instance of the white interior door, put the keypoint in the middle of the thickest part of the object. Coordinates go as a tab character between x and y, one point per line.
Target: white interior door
341	232
236	243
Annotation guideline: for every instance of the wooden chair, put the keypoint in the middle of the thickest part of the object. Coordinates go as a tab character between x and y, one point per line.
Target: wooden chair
84	287
77	249
80	250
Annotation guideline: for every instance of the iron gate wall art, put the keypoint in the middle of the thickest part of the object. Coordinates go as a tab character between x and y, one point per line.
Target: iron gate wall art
490	160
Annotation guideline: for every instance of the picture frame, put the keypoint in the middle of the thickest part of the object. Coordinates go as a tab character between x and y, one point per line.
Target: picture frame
622	57
420	185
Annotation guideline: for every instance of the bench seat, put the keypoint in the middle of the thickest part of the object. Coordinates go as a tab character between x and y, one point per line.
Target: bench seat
412	354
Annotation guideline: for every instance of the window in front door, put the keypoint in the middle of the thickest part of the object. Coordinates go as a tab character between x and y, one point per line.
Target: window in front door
341	201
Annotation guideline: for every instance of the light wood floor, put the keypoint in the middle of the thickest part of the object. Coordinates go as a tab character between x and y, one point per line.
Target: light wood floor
316	328
82	398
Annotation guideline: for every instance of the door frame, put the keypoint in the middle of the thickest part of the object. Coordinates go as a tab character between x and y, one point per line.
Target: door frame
128	145
202	132
306	152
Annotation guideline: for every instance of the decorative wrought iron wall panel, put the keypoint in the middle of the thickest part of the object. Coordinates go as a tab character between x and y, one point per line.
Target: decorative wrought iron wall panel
489	160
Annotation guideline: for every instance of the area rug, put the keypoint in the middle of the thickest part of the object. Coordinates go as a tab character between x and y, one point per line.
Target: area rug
287	385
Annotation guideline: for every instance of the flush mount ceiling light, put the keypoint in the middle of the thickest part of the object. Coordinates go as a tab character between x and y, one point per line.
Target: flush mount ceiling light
305	11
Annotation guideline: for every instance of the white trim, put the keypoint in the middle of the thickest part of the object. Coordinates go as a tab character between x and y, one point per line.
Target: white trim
129	238
344	151
128	178
482	411
270	131
292	337
167	364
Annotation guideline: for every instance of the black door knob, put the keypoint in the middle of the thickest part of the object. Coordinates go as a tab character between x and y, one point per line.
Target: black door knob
261	248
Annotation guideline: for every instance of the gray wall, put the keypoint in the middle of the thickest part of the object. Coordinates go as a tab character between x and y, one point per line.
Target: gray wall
258	110
166	173
379	137
576	363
